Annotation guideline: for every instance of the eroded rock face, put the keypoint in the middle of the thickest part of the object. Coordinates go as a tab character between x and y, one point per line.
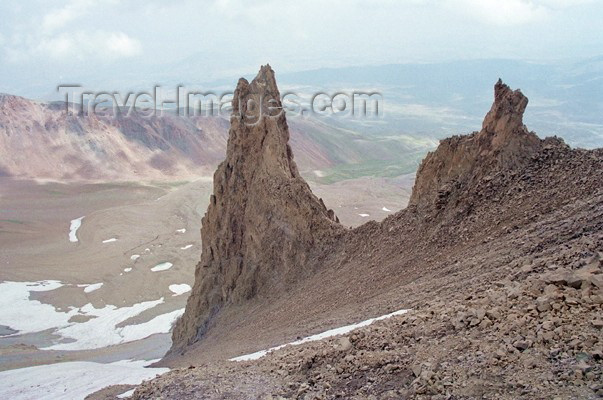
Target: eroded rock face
504	142
263	222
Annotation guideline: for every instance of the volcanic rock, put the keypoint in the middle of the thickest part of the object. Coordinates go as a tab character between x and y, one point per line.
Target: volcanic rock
503	143
263	222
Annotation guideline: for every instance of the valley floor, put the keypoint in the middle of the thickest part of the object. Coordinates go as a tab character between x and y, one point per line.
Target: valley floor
97	273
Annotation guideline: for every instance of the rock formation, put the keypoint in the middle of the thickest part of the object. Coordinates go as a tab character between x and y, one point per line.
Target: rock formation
498	259
504	142
263	222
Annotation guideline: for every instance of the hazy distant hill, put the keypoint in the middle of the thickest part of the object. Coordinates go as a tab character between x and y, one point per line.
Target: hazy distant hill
422	102
40	140
440	99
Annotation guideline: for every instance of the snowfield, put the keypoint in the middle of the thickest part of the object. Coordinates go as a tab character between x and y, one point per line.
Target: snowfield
104	328
72	380
320	336
20	313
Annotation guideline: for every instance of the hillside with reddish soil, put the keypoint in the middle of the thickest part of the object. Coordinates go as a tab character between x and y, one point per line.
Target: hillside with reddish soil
46	141
498	257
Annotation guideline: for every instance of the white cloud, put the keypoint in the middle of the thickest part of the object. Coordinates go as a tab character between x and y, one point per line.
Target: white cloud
65	34
58	18
559	4
81	45
513	12
503	12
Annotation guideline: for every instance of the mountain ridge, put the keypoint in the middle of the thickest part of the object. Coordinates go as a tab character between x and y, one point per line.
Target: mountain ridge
513	203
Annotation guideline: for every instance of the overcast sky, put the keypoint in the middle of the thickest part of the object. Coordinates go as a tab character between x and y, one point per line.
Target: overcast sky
133	42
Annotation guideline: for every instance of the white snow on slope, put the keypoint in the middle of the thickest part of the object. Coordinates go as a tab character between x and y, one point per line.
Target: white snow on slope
188	246
160	324
162	267
183	230
75	225
20	313
102	331
180	289
332	332
72	380
127	394
364	215
92	287
127	269
110	240
386	209
134	257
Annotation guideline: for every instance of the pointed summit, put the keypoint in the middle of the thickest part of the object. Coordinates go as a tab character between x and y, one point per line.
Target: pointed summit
263	223
504	142
506	114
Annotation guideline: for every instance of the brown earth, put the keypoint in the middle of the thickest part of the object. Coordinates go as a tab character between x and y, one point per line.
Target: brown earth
34	245
498	256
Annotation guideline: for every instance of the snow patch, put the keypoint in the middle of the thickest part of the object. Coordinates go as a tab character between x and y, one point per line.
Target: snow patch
102	331
110	240
188	246
386	209
127	394
320	336
127	269
92	287
183	230
319	173
73	380
20	313
180	289
75	225
162	267
134	257
364	215
23	315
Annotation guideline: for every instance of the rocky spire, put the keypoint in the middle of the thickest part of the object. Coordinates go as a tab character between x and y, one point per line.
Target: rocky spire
504	142
262	222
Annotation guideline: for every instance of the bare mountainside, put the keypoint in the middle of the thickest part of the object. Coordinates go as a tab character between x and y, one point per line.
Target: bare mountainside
497	257
44	141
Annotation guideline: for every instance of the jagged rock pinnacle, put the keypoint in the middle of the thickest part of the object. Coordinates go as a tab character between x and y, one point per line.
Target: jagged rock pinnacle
507	111
503	142
263	222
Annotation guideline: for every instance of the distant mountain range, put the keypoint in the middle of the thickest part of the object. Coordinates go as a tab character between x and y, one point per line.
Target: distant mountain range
440	99
41	140
422	103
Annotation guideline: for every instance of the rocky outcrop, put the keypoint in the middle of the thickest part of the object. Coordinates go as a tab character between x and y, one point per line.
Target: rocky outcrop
263	223
265	236
498	258
503	143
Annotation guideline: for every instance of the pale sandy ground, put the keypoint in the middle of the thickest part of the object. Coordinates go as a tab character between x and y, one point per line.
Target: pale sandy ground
146	221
